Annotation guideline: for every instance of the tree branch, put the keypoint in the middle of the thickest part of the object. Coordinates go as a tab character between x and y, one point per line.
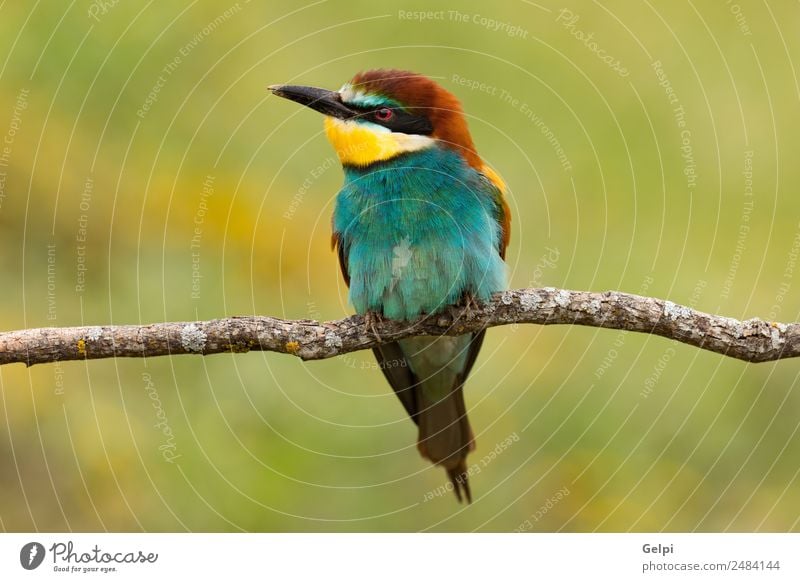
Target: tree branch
753	340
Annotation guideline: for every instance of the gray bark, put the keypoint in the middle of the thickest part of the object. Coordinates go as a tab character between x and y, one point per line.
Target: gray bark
753	340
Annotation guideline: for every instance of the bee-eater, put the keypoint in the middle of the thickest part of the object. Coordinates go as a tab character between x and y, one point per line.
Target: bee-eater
420	224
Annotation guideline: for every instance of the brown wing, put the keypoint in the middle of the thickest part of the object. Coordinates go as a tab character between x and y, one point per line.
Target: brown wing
503	212
338	245
397	370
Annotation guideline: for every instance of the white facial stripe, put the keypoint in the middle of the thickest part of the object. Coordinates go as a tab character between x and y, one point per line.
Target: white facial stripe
412	142
359	97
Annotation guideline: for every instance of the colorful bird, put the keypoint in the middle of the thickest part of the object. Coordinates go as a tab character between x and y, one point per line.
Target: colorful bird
420	224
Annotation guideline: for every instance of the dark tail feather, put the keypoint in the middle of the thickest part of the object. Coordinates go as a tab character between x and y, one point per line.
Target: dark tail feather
432	393
460	480
445	438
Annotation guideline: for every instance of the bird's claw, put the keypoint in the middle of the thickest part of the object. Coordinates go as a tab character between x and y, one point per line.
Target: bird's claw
371	319
469	305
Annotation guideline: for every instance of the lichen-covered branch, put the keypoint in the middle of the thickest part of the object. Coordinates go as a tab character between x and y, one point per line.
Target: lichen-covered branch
753	340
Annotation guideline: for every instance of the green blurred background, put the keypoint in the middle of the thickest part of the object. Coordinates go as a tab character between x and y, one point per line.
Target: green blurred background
150	177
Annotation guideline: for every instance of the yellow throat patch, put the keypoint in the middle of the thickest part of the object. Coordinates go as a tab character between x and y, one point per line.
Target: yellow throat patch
361	144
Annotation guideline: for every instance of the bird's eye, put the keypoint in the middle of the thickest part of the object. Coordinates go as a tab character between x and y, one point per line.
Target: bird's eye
384	114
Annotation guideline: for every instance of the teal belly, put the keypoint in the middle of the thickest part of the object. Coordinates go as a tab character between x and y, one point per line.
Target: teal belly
418	236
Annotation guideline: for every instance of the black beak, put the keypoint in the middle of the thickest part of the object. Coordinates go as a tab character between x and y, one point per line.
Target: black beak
322	100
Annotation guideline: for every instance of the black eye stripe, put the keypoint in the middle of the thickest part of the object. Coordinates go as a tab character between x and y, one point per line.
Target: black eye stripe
402	121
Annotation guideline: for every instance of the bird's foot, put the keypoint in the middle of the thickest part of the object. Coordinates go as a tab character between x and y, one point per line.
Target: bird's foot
469	305
371	319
